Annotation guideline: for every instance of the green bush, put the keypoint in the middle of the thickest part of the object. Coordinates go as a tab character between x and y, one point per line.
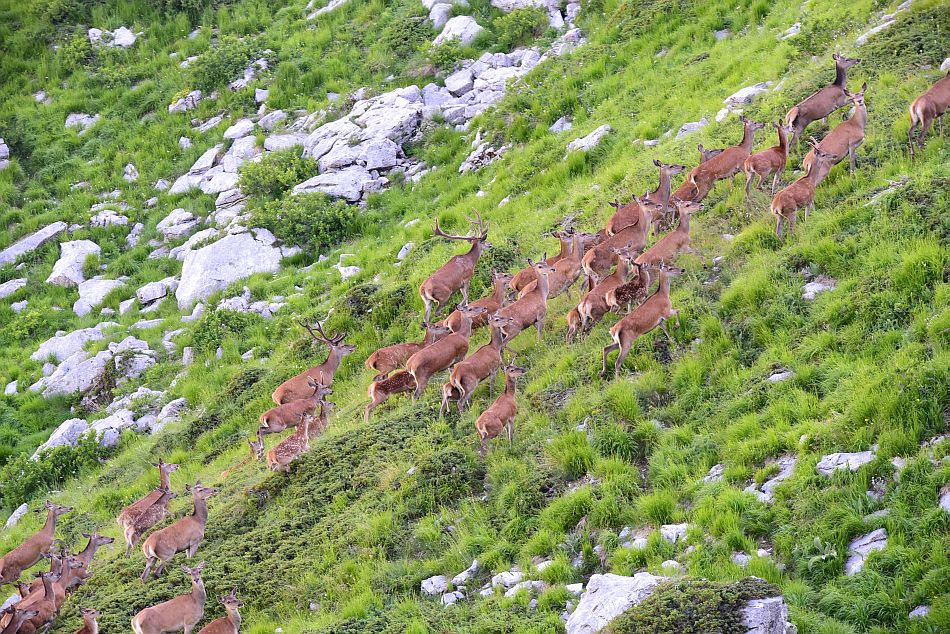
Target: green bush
276	173
219	324
445	55
77	52
23	478
571	453
520	26
408	32
311	221
222	64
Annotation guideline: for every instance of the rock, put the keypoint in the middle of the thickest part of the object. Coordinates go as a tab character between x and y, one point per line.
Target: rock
241	127
133	238
145	324
346	272
507	579
561	125
17	515
852	461
434	585
68	270
271	120
213	267
373	154
747	95
68	433
213	122
10	389
330	6
187	355
466	575
674	532
177	224
460	82
780	375
723	34
688	128
765	492
767	616
575	589
451	598
63	346
403	252
156	290
171	412
608	596
196	313
463	28
31	242
532	587
819	285
945	66
186	103
860	548
944	501
792	31
261	95
920	612
481	156
715	474
151	202
184	142
162	184
81	121
92	292
439	14
283	141
671	565
19	306
741	559
108	218
861	39
347	183
131	174
116	423
590	141
11	286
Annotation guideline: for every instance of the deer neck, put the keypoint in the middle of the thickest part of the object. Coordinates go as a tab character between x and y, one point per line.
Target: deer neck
623	269
465	326
511	384
577	252
333	361
811	175
47	587
198	591
235	617
663	191
500	292
664	286
684	223
497	338
90	626
841	76
565	248
747	135
543	287
860	116
165	479
88	552
782	142
49	528
476	250
201	510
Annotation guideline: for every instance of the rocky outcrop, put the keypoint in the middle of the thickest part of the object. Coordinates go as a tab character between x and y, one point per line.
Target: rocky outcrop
81	121
68	433
243	304
851	461
767	616
122	37
11	286
484	154
32	242
463	28
155	292
78	373
349	183
177	224
17	515
63	346
608	596
693	126
765	491
186	103
92	292
68	270
860	548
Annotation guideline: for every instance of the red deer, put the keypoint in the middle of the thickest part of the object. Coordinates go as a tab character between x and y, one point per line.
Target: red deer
277	419
655	311
632	292
180	614
500	414
130	514
701	178
229	624
184	535
379	391
593	305
532	308
89	623
18	617
822	103
86	556
456	274
627	215
598	261
770	162
566	270
291	447
672	244
661	195
926	108
299	386
705	155
491	303
801	193
527	275
844	139
482	364
443	353
41	603
393	357
32	550
149	518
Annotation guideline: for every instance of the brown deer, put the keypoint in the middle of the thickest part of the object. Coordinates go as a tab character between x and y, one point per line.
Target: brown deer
229	624
822	103
379	391
443	353
149	518
926	108
500	414
277	419
705	155
456	274
299	386
532	308
701	178
491	303
527	275
393	357
43	602
32	550
593	305
291	447
566	270
632	292
661	195
845	139
482	364
86	556
89	623
184	535
180	614
625	216
18	616
770	162
131	513
257	447
673	243
655	311
801	193
598	261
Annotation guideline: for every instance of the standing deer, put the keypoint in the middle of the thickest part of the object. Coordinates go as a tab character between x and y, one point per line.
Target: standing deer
625	216
443	353
653	312
705	154
89	623
184	535
770	162
482	364
393	357
844	139
32	550
456	274
822	103
277	419
149	518
598	261
801	193
500	414
532	308
130	514
86	556
491	302
701	178
566	270
632	292
180	614
379	391
672	244
661	195
18	616
291	447
926	108
229	624
593	305
42	602
527	275
299	386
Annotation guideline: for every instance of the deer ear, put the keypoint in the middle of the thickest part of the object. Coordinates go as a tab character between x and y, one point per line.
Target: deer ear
835	56
656	162
864	86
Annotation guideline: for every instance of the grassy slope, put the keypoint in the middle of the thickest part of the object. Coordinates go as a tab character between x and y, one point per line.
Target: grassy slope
352	532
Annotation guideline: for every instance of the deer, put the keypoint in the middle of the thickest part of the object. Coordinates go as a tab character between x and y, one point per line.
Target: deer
44	604
130	514
491	303
527	275
770	162
393	357
801	193
456	274
845	138
593	306
533	307
179	614
184	535
701	178
291	447
18	616
823	102
925	109
500	414
277	419
661	194
598	260
655	311
298	387
380	391
705	154
149	518
231	622
632	292
444	353
625	216
566	270
482	364
86	556
673	243
89	623
32	550
257	448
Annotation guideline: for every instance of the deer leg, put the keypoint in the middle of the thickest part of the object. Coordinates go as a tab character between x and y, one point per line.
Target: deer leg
607	350
465	292
775	182
808	209
491	382
446	390
148	568
924	129
510	430
778	227
421	382
624	351
666	331
852	156
483	446
540	325
791	224
748	183
910	138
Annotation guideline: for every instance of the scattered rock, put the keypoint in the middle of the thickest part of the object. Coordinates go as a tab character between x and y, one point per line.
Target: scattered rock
347	183
722	35
780	375
689	128
172	410
108	218
435	585
860	548
11	286
792	31
463	28
481	156
63	346
92	292
451	598
819	285
10	389
178	224
330	6
767	616
532	587
81	121
241	127
674	532
68	433
32	242
403	252
507	579
17	515
18	307
765	491
131	174
852	461
261	94
920	612
122	37
561	125
944	502
466	575
747	95
68	270
608	596
186	103
184	142
271	120
156	291
590	141
715	474
133	238
861	39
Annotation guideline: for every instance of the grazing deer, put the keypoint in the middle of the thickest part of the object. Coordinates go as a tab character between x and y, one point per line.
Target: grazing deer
456	274
705	155
801	193
653	312
566	270
86	556
845	138
89	623
131	513
500	414
277	419
482	364
32	550
443	353
184	535
491	303
180	614
527	275
593	305
393	357
822	103
18	616
532	308
770	162
672	244
379	391
229	624
926	108
661	195
701	178
632	292
298	387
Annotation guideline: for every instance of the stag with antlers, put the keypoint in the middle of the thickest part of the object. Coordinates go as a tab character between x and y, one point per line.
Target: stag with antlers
456	274
299	386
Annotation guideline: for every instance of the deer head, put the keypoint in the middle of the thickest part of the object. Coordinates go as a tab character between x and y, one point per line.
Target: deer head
89	613
97	539
335	343
194	573
670	168
57	509
319	390
857	98
230	601
844	62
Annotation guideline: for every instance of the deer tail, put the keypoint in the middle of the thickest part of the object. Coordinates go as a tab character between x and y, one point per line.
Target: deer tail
791	116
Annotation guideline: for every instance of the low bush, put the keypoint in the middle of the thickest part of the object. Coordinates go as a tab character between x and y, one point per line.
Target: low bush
276	173
311	221
222	64
520	26
23	479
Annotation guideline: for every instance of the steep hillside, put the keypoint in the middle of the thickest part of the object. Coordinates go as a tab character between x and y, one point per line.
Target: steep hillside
787	352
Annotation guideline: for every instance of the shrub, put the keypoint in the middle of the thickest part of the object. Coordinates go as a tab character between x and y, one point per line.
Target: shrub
23	478
221	64
77	52
217	325
657	507
408	32
276	173
520	26
445	55
312	221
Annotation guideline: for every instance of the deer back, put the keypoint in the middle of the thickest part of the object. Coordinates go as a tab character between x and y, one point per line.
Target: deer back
440	354
170	615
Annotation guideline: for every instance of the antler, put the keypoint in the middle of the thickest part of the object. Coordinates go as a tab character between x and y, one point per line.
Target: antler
480	226
812	142
322	337
438	231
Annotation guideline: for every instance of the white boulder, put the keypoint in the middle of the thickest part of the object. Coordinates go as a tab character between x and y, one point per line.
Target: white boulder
68	433
852	461
347	183
17	515
11	286
131	173
68	268
31	242
435	585
590	141
92	292
213	267
177	224
241	127
608	596
693	126
65	345
767	616
186	103
860	548
81	121
463	28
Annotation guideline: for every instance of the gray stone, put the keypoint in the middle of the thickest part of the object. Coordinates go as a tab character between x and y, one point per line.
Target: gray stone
466	575
920	612
852	461
792	31
404	251
373	154
590	141
11	286
92	292
434	585
283	141
17	515
206	161
188	355
439	14
156	290
184	142
532	587
561	125
63	346
108	218
213	267
819	285
131	174
241	127
272	119
463	28
261	95
781	375
945	66
68	270
68	433
177	224
460	82
765	492
674	532
767	616
507	579
81	121
944	501
10	389
689	128
715	474
723	34
186	103
31	242
18	307
347	183
451	598
747	95
860	548
133	238
608	596
861	39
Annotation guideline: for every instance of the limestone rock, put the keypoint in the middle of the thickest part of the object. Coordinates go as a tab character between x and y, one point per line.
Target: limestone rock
767	616
561	125
460	82
272	119
434	585
852	461
81	121
608	596
439	14
507	579
765	492
589	142
674	532
747	95
463	28
11	286
715	474
130	174
92	292
466	575
186	103
31	242
68	433
688	128
860	548
241	127
171	412
17	515
177	224
347	183
11	388
213	267
68	269
154	291
819	285
108	218
65	345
